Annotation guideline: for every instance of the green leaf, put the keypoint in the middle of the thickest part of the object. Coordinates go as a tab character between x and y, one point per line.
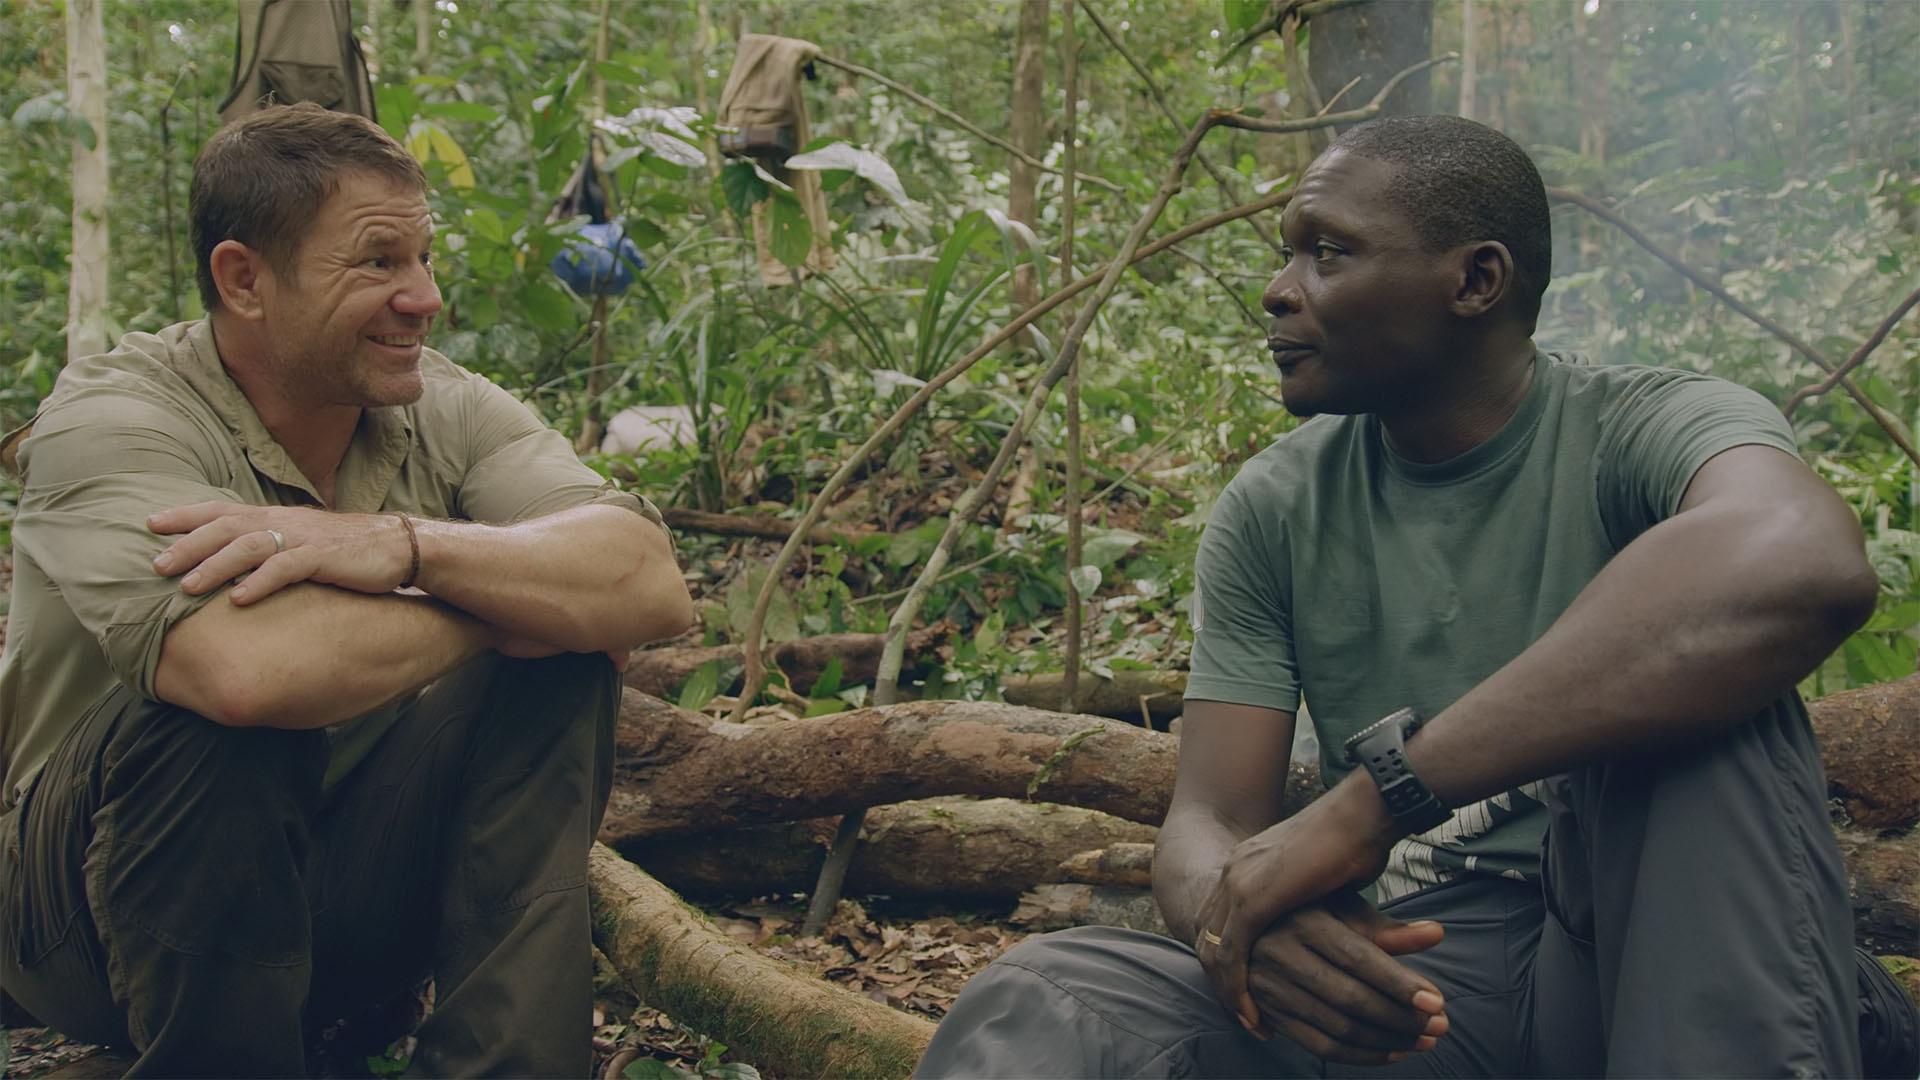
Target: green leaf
866	164
788	234
742	187
1243	15
82	131
465	111
825	707
647	1068
1085	579
644	233
546	305
828	684
486	224
904	550
1105	547
481	310
702	687
619	73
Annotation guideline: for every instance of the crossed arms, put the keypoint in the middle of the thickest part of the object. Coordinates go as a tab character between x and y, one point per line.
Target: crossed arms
316	634
1691	629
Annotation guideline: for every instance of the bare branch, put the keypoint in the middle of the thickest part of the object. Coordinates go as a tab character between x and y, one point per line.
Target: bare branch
1600	210
1860	354
957	120
1283	10
1352	116
1220	176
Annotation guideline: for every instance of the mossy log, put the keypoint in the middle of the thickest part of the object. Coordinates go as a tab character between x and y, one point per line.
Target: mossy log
678	772
1870	739
981	851
785	1021
1148	698
662	672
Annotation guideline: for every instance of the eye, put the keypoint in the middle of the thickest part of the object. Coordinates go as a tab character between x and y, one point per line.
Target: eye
1286	255
378	262
426	260
1323	250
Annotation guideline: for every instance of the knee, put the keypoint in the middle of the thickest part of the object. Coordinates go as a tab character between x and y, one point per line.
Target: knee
211	772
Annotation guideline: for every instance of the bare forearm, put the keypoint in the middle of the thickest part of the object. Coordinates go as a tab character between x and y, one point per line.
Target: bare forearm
1192	846
589	579
1691	629
311	655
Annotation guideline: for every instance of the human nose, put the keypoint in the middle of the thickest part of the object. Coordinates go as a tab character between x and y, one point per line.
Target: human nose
419	296
1282	294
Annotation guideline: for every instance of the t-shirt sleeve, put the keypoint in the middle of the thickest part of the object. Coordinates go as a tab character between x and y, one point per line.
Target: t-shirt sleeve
519	468
93	474
1242	620
1662	429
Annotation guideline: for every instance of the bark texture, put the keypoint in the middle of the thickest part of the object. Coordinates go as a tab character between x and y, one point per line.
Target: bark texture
1057	907
1373	42
1133	696
1870	739
678	772
1129	865
1883	877
962	850
787	1022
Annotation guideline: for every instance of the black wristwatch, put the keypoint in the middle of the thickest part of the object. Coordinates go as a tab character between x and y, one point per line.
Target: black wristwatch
1381	748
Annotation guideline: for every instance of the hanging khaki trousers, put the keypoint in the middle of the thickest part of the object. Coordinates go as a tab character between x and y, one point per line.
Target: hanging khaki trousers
192	890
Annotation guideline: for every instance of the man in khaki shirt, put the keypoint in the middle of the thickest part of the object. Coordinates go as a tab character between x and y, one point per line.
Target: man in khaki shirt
308	692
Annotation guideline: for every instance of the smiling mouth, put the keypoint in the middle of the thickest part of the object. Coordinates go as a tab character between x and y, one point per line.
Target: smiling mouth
397	341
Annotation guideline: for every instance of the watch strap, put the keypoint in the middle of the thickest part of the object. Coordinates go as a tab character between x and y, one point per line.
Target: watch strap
1380	748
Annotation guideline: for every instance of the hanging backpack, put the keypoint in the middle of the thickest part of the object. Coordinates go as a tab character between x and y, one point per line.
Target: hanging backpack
289	51
599	260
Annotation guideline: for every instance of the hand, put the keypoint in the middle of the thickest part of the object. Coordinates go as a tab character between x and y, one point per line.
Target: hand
1337	842
367	553
1325	977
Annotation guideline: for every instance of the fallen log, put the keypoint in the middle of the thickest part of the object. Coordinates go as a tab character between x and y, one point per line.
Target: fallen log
677	772
1129	865
1870	740
981	851
662	672
1136	696
787	1022
1883	880
1059	906
764	526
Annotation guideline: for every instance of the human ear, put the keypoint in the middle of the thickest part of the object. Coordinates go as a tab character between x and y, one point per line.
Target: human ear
237	273
1485	278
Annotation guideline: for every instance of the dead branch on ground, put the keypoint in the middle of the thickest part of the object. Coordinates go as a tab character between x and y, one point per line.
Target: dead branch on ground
761	525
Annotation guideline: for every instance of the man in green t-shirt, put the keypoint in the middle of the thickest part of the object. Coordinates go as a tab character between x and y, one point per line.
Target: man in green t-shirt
1539	601
305	695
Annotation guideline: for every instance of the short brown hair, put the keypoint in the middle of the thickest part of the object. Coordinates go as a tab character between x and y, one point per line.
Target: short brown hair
260	179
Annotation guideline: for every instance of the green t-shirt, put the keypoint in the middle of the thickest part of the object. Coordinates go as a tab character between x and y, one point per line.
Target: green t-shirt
1335	571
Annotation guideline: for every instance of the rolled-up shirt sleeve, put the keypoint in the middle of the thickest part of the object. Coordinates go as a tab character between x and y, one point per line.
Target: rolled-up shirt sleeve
519	468
83	520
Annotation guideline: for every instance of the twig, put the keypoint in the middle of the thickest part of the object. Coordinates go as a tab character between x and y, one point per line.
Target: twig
1286	9
1220	176
959	121
1335	99
1232	294
755	673
1076	532
1793	341
1860	354
1352	116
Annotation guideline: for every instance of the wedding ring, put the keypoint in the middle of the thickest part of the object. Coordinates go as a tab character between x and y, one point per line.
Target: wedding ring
279	542
1211	937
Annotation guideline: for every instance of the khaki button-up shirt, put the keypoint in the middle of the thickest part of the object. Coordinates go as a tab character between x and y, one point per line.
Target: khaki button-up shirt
157	423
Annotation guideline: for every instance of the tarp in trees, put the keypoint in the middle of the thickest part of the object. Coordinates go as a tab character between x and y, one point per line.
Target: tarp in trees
762	102
289	51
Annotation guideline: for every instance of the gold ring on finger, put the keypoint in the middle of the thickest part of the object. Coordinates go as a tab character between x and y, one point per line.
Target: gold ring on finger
1210	937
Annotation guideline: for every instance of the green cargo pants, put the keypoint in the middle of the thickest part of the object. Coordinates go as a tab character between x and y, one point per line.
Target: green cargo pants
194	892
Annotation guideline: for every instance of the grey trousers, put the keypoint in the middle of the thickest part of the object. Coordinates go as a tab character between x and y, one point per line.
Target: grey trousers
1692	921
191	891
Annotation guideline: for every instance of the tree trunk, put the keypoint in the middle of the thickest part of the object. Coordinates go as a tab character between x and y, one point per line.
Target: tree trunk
1134	696
1469	55
982	851
1374	42
422	35
787	1022
1026	131
662	672
87	101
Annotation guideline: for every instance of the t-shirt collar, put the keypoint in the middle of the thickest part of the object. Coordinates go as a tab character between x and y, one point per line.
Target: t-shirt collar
1511	436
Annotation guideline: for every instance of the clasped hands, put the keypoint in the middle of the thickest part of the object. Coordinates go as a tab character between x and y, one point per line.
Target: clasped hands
278	546
1292	950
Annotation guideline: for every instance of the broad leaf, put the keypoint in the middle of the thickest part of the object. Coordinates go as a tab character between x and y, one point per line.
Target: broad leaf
701	688
1105	546
1085	580
742	187
788	234
865	164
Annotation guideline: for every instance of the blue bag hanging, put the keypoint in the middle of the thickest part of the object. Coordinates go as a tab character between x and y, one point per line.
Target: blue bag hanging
599	260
